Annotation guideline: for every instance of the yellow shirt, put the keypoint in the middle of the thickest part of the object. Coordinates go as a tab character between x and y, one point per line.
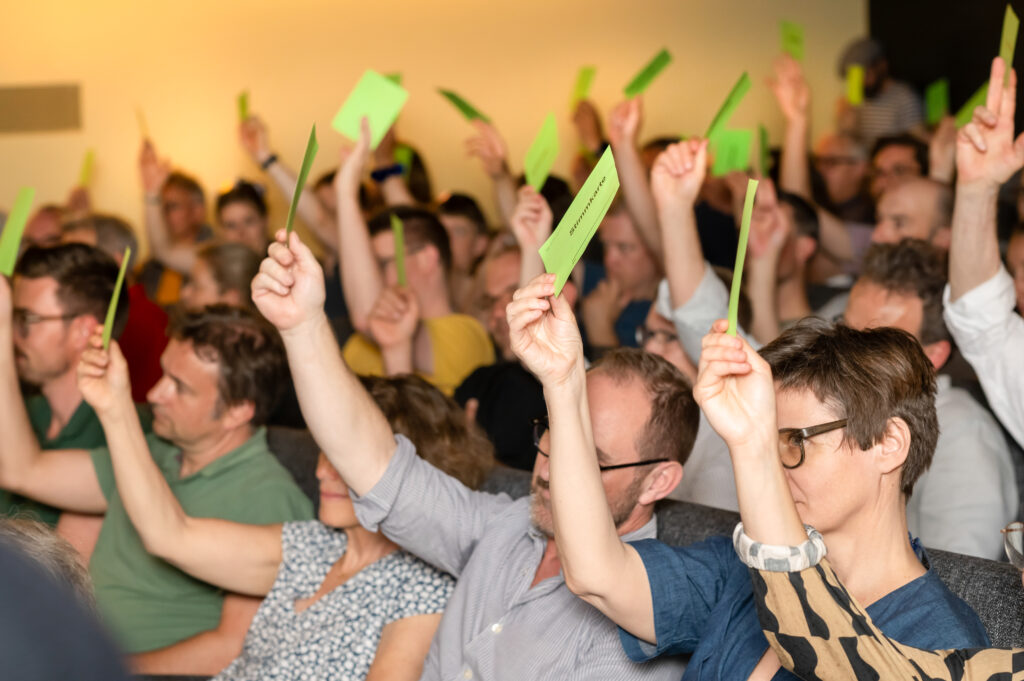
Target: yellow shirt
459	343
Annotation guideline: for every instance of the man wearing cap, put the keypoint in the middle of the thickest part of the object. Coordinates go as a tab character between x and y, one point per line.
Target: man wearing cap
890	107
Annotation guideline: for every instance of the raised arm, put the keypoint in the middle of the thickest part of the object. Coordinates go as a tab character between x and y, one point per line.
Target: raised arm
623	128
531	226
62	478
597	565
252	133
154	172
987	154
794	100
675	182
769	231
361	278
344	419
237	557
488	146
393	188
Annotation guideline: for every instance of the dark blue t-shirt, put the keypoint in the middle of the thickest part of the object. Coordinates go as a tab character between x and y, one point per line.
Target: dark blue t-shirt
704	605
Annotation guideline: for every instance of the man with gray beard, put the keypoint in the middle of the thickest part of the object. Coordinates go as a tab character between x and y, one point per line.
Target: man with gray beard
511	615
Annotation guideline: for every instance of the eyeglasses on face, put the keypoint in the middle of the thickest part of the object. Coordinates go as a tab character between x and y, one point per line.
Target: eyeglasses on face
24	320
791	441
540	426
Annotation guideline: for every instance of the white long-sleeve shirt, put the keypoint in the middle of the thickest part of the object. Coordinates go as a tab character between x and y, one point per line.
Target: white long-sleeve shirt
991	337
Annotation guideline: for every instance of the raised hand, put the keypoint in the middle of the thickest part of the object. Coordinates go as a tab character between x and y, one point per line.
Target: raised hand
543	333
942	151
488	146
531	221
624	122
394	317
353	164
103	375
289	288
678	174
986	152
6	306
154	171
790	88
588	125
252	133
384	154
768	227
735	390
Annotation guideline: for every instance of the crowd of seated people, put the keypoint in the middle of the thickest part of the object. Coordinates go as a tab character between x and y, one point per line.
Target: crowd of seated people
869	407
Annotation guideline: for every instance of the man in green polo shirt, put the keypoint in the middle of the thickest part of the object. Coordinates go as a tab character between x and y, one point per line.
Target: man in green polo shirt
59	295
223	371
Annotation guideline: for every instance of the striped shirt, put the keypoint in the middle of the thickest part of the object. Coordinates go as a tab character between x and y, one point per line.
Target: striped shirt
496	626
895	110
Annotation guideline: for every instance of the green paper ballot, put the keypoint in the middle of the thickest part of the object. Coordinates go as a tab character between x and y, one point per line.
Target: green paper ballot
378	99
936	101
243	106
647	74
792	39
403	156
584	79
565	246
311	148
739	90
398	231
10	239
465	108
732	151
764	153
966	112
542	154
395	78
85	174
1008	43
108	324
741	255
855	85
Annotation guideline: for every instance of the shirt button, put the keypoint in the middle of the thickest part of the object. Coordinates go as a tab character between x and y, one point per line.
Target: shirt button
467	673
496	627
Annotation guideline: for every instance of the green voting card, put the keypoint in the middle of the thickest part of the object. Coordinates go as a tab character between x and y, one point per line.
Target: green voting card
243	106
584	79
10	239
1008	43
764	154
108	325
376	98
966	112
648	73
936	101
732	151
741	255
85	174
739	90
792	38
565	246
398	231
855	85
465	108
307	160
403	157
395	78
542	154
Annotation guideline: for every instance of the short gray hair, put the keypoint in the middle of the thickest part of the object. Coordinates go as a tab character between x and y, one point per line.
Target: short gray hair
47	549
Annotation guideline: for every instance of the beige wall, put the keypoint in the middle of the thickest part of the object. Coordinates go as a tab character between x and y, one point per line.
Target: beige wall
184	62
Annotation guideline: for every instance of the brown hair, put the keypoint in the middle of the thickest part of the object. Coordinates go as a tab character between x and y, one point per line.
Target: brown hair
186	183
435	424
112	233
867	377
233	267
421	227
672	427
912	267
248	350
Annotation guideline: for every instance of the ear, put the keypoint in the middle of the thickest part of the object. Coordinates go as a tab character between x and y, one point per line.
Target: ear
232	297
942	238
661	481
238	415
938	353
805	247
428	259
891	451
80	329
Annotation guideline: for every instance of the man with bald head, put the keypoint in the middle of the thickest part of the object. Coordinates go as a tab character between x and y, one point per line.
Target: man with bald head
919	208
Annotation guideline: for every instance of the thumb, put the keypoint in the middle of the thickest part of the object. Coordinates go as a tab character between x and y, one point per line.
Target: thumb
303	255
117	358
